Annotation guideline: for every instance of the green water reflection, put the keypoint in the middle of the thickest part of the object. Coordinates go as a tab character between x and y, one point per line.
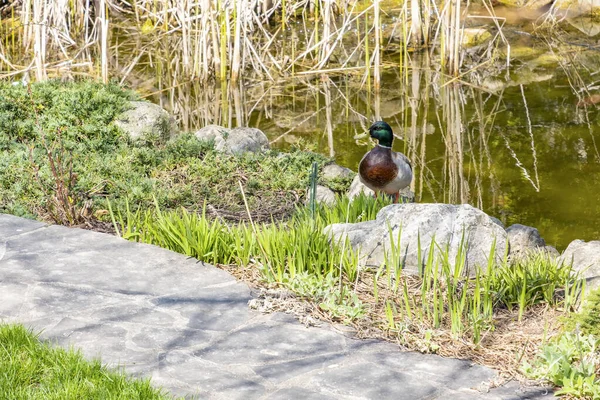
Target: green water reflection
521	143
527	154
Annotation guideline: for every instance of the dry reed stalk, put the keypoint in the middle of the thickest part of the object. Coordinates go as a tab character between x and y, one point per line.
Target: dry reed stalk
376	55
39	38
103	21
328	115
236	61
416	23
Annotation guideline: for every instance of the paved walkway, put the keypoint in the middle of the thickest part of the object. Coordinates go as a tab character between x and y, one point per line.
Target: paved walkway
187	325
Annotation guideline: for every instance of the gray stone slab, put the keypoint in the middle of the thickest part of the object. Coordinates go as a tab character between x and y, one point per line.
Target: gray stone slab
80	257
218	381
370	381
451	373
13	297
302	393
269	341
187	325
220	308
280	372
13	226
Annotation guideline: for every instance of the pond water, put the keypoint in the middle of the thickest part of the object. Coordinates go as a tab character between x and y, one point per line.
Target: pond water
520	143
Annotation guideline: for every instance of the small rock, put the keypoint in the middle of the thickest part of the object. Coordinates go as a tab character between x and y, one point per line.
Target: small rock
589	25
146	118
496	220
585	258
334	171
357	187
324	195
420	223
236	140
523	239
473	37
551	251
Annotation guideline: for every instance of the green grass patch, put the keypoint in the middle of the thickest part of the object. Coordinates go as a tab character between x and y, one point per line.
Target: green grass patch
31	369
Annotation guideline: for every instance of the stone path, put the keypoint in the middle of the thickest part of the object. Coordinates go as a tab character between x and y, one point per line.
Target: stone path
187	325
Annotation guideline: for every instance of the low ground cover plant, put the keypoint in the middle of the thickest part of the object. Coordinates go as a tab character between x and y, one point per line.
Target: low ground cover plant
33	369
61	158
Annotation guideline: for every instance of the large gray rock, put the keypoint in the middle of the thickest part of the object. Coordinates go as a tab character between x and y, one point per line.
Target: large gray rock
523	240
147	119
357	187
444	222
236	140
585	258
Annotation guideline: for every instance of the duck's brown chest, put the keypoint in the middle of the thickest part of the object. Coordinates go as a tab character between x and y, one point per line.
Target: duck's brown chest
377	168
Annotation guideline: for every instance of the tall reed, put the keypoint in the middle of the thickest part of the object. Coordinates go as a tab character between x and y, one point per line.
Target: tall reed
210	39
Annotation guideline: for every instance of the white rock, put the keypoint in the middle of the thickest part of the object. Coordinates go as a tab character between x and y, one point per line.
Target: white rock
236	140
146	118
444	222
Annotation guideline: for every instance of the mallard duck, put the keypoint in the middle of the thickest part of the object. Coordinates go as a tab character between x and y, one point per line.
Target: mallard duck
384	170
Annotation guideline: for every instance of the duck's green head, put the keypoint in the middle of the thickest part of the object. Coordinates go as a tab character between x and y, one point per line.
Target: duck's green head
381	131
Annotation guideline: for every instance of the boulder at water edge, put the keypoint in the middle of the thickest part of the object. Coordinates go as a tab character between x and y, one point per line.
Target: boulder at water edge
445	222
523	239
585	258
144	118
236	140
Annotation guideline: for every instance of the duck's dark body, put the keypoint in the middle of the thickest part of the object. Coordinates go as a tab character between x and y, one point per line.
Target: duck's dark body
377	168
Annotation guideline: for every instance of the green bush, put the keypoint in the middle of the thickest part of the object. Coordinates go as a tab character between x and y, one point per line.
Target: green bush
61	157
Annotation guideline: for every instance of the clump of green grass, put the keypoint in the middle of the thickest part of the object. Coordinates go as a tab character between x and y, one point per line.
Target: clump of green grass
536	278
442	296
32	369
361	208
282	250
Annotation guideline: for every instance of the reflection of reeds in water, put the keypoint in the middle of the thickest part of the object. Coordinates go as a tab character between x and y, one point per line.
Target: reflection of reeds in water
451	126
